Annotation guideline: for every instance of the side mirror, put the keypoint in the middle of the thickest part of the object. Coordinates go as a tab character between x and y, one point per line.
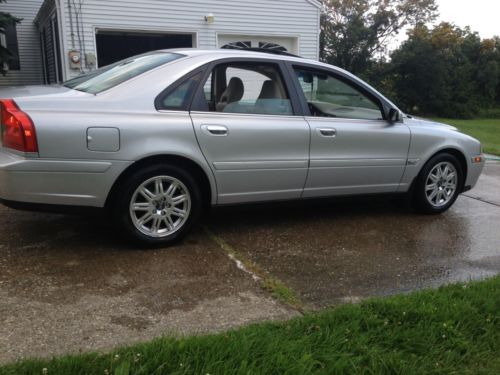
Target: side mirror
393	115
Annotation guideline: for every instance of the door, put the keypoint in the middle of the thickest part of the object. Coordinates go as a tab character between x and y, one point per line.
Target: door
353	149
246	126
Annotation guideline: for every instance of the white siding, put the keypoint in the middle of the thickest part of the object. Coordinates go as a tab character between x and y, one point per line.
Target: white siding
29	44
287	18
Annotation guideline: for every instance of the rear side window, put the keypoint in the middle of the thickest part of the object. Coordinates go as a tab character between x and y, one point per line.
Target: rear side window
112	75
179	96
247	88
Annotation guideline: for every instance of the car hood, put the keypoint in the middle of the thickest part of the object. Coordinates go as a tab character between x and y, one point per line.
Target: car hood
421	122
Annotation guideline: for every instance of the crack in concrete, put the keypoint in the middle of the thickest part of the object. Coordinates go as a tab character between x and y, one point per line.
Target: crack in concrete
481	200
278	289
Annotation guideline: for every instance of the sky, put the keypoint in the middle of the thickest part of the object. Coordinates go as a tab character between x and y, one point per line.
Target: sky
482	16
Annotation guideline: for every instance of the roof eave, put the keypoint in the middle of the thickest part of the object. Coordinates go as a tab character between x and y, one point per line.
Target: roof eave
316	3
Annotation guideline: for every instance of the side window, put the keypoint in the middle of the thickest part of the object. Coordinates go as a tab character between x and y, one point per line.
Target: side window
329	96
247	88
179	97
207	89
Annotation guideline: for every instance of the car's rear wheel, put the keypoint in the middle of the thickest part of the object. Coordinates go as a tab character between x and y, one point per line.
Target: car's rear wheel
438	184
158	205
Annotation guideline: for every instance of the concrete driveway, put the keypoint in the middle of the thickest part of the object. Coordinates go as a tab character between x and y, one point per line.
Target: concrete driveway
69	284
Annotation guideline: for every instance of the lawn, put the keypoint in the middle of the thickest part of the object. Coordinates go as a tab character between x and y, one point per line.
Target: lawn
486	130
454	329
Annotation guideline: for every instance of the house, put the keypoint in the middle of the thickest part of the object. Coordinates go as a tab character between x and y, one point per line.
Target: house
60	39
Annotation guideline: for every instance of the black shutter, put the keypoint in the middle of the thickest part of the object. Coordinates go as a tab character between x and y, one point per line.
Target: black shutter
12	45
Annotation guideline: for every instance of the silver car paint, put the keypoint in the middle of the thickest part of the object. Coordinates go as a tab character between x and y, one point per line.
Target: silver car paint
363	156
244	166
261	157
428	138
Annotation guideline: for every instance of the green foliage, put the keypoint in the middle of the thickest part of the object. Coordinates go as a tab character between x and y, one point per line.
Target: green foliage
353	31
5	55
446	71
453	330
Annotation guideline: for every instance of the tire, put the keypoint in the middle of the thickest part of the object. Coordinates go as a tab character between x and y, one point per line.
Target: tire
158	205
438	185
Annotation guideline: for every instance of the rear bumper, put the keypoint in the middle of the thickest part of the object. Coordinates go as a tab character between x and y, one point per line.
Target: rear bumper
56	182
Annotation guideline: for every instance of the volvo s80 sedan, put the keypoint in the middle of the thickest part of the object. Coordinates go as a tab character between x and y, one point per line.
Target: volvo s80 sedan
158	138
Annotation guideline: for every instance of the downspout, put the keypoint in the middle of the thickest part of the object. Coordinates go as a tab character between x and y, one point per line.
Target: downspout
62	38
71	25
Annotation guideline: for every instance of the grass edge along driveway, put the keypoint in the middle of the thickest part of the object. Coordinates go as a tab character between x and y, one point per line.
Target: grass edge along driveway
453	329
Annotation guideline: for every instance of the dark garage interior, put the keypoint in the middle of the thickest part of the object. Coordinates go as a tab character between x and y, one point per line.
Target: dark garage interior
113	46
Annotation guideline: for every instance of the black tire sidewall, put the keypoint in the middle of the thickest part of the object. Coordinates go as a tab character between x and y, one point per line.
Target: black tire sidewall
420	202
121	205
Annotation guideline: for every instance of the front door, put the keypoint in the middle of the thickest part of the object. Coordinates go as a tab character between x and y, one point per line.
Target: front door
246	127
353	149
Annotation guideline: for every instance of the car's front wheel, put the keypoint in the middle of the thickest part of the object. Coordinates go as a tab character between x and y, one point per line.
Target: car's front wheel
438	185
158	205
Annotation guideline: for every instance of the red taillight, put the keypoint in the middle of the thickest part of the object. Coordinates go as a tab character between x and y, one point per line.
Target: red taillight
18	131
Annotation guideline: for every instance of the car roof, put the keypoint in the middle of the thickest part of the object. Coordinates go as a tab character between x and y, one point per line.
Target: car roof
221	53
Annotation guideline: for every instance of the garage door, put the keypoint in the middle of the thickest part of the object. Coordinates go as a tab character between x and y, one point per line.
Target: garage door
113	46
288	44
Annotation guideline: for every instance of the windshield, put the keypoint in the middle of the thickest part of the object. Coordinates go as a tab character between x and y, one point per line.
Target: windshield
112	75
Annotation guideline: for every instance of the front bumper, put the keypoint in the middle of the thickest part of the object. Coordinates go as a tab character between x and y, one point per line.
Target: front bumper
474	170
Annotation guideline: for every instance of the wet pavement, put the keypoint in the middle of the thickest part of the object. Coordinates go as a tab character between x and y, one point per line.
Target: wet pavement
70	283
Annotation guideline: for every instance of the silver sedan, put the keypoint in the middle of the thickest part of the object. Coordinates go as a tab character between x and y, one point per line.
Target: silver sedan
157	138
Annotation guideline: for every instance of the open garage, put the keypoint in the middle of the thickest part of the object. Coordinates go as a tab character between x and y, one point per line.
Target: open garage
113	46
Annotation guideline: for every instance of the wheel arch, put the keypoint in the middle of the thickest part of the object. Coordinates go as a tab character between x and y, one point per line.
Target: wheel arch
197	171
448	150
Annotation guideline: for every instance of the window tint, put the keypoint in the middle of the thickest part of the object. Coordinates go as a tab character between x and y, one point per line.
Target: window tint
180	96
328	96
247	88
111	76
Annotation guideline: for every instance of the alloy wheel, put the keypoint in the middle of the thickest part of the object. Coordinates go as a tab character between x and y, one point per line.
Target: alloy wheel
441	184
160	206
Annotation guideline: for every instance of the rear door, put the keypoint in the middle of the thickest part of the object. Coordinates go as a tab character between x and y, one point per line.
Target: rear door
354	150
248	128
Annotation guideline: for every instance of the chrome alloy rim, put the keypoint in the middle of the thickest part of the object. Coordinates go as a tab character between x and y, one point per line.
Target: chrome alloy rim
441	184
160	206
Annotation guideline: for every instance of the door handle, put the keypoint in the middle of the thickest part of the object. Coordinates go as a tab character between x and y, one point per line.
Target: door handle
327	132
217	130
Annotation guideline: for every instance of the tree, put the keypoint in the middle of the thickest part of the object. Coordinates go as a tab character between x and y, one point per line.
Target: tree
6	19
354	31
445	71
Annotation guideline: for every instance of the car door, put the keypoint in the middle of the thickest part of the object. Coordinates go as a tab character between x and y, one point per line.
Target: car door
248	128
354	150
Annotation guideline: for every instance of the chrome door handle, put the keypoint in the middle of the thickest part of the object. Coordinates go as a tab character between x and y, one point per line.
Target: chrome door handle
217	130
327	132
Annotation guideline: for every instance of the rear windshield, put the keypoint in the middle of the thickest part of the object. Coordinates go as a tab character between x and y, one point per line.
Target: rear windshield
112	75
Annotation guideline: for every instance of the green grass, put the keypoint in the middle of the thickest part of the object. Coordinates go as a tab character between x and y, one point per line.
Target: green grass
486	130
452	330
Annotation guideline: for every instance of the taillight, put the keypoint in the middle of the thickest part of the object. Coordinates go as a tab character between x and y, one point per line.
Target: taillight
18	131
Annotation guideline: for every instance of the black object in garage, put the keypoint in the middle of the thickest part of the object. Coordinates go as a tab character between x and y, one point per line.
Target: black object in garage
115	46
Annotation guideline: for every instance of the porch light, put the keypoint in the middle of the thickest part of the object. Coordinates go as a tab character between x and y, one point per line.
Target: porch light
210	18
